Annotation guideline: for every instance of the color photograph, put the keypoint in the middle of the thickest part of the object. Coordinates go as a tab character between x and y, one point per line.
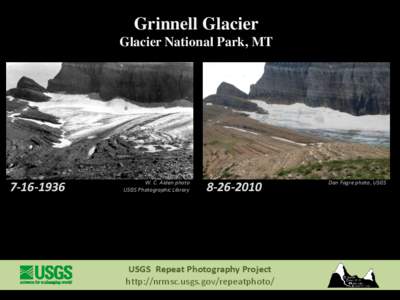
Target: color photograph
294	120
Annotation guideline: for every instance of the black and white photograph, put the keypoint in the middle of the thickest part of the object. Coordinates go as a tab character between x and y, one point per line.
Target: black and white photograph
87	120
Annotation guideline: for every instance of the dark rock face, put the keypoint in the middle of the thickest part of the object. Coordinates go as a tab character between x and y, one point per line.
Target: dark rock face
27	83
230	96
141	82
15	105
230	90
355	88
35	114
233	102
28	89
28	94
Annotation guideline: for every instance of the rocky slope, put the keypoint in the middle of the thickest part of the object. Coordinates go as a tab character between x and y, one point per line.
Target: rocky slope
28	83
355	88
230	90
113	158
237	147
141	82
230	96
28	89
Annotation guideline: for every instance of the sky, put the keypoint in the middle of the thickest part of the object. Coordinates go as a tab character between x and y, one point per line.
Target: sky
38	71
240	74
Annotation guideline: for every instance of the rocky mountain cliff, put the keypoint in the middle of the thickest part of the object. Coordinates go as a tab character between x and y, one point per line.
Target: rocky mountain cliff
355	88
230	90
137	81
28	89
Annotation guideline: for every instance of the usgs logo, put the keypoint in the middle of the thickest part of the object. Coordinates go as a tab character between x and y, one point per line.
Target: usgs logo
45	274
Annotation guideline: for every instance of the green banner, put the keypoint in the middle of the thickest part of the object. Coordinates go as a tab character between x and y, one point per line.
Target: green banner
199	274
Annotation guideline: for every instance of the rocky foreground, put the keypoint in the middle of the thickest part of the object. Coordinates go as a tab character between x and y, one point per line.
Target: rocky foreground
113	159
237	147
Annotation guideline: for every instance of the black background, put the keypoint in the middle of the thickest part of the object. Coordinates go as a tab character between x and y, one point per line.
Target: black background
286	221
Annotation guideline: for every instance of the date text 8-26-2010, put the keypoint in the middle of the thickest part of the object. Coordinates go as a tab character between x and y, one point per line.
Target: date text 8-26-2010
227	186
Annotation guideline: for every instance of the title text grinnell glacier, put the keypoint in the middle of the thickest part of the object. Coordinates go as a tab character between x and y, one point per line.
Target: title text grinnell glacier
219	41
208	23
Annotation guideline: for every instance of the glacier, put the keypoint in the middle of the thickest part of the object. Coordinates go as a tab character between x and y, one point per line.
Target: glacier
326	122
83	117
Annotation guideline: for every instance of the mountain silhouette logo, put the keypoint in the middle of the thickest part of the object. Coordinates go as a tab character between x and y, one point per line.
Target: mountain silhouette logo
342	279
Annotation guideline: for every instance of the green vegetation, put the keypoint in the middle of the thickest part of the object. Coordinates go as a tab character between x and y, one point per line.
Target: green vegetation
225	174
214	142
205	175
361	168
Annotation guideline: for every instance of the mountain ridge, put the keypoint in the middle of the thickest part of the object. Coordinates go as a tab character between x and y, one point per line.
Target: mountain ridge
355	88
229	95
138	81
